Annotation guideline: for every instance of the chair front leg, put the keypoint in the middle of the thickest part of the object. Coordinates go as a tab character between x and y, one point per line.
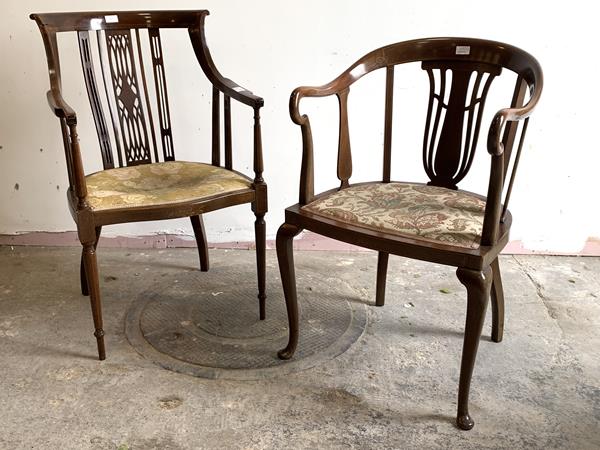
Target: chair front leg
478	284
382	265
91	270
82	275
497	303
261	261
202	244
285	257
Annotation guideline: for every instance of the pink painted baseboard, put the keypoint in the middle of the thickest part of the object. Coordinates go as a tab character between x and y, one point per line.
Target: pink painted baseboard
307	241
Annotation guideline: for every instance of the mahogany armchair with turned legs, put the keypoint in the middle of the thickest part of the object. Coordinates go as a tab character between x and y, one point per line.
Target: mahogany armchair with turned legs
146	184
435	221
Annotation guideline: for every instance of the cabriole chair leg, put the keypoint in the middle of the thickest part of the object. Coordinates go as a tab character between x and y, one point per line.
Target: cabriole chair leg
261	262
91	269
478	284
200	234
382	264
497	299
285	257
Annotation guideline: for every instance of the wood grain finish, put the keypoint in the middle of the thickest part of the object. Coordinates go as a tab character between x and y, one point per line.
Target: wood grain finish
460	72
132	120
387	128
446	158
132	138
344	162
162	97
89	75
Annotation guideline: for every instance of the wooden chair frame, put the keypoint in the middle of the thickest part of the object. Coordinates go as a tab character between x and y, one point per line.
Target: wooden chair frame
477	269
119	25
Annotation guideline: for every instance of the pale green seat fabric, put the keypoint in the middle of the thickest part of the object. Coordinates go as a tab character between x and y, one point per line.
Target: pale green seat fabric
160	184
423	212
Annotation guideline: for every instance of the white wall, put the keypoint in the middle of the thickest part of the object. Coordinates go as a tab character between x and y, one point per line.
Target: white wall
273	46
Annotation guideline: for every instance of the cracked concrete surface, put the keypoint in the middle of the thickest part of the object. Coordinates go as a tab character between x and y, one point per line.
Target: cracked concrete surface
395	388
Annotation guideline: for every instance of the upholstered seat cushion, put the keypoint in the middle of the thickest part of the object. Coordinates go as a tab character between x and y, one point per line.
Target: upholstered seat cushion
159	184
423	212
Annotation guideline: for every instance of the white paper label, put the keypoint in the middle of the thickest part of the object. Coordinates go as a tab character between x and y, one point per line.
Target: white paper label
111	19
463	49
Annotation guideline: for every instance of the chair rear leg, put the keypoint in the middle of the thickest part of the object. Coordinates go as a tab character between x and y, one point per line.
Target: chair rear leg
382	264
261	262
285	257
91	270
497	303
200	234
478	284
82	275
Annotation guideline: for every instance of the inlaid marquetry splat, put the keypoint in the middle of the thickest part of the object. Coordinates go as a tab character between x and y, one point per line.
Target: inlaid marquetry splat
132	121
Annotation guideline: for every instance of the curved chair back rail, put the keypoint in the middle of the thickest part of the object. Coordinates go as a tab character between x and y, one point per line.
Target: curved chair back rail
454	110
123	63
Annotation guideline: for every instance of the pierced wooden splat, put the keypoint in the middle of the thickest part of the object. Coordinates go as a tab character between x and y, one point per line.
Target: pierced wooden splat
147	96
94	97
102	54
130	111
453	123
160	84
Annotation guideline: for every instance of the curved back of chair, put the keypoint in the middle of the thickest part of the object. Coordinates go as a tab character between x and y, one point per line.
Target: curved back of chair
119	84
130	107
460	72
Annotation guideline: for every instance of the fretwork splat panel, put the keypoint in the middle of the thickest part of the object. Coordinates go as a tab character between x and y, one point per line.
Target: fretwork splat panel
457	95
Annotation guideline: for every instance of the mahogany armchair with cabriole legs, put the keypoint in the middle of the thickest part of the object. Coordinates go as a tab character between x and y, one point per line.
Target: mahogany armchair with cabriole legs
435	221
131	112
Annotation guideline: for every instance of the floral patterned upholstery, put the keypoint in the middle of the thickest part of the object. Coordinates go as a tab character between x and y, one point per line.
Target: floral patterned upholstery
428	213
159	184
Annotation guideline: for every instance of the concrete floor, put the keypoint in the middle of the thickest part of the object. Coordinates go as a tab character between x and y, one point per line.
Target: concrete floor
395	388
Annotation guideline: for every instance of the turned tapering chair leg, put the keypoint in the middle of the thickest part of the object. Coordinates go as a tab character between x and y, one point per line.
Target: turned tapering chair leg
261	262
82	275
285	257
382	264
478	284
202	244
91	270
497	299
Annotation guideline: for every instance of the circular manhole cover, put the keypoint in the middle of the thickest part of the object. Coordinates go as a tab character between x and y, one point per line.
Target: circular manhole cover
207	325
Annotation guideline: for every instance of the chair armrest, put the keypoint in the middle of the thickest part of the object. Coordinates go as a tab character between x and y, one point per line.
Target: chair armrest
234	90
60	107
494	143
309	91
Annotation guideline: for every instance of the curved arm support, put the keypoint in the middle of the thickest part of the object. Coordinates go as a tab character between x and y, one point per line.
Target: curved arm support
60	107
225	85
502	117
307	171
336	87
